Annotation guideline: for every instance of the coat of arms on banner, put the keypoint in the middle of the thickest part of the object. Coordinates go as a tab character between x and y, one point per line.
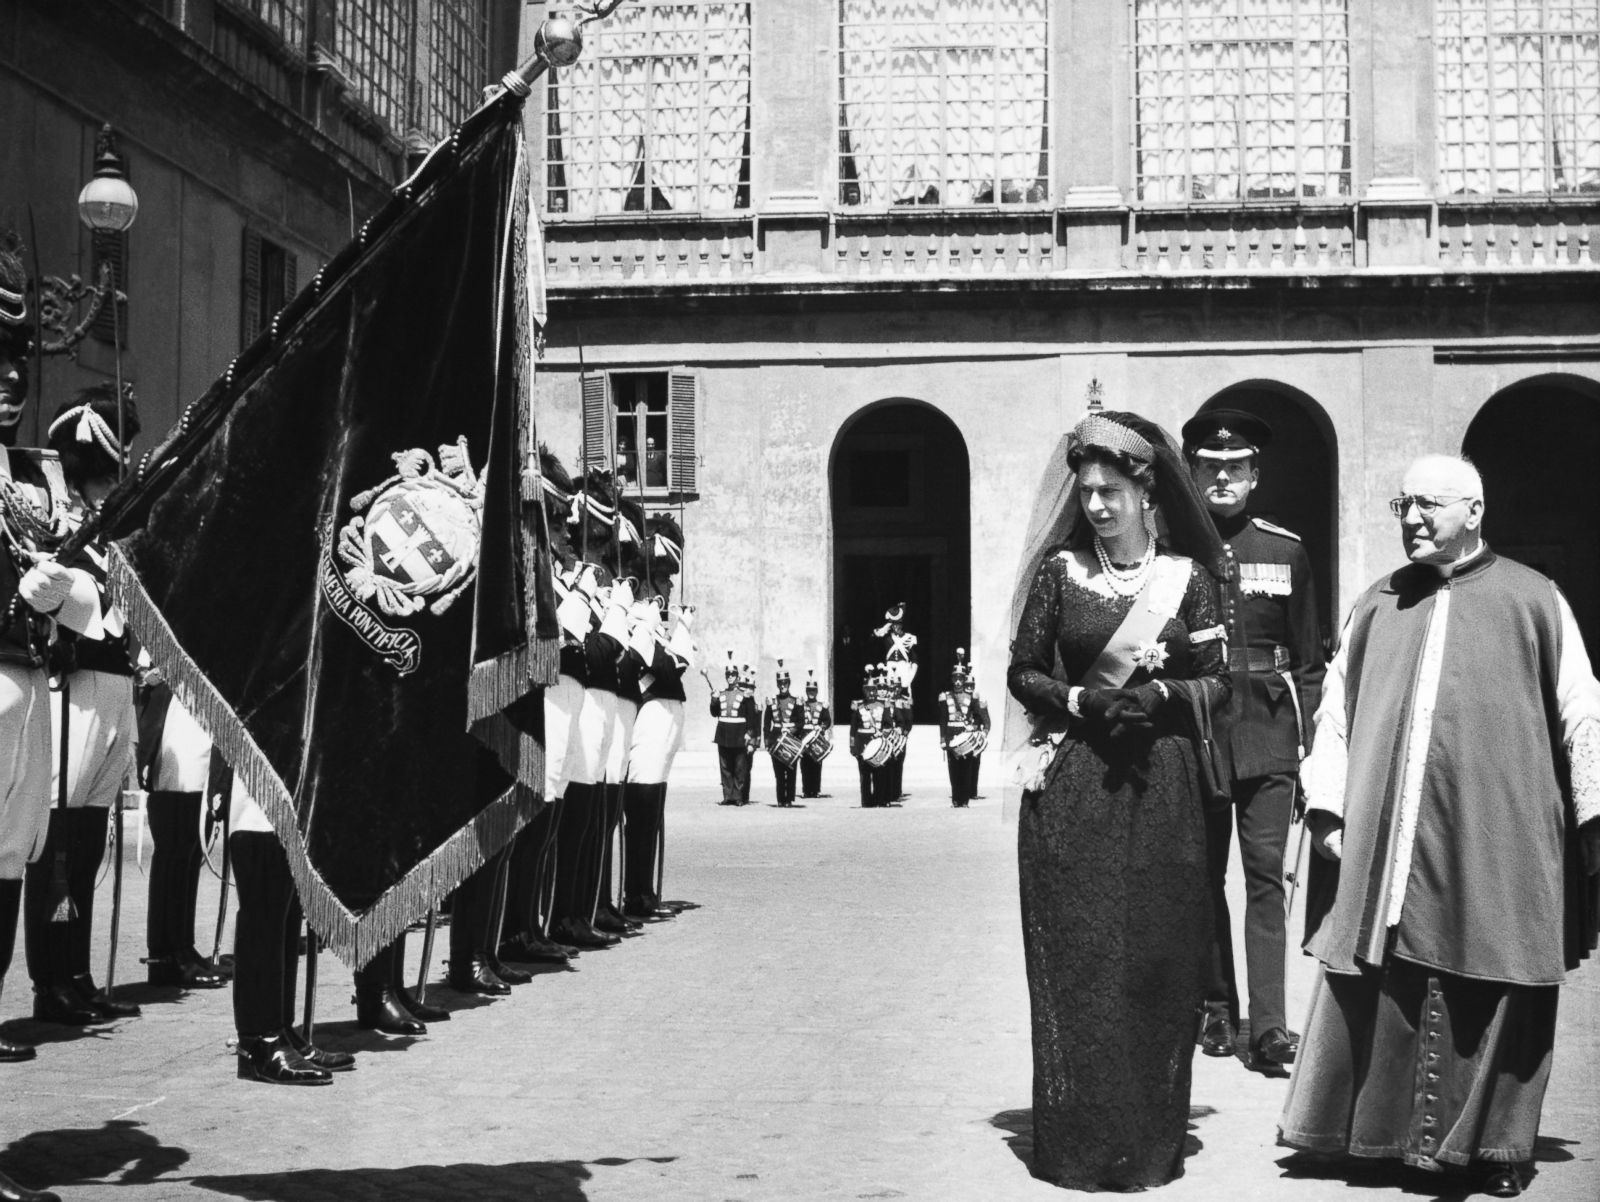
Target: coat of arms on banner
413	537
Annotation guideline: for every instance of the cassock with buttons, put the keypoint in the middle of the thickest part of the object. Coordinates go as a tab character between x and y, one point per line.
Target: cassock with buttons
1275	654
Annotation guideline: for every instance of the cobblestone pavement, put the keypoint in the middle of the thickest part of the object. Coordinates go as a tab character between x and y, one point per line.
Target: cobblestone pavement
838	1013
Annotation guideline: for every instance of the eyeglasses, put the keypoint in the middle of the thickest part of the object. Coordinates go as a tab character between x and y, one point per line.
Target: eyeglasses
1426	505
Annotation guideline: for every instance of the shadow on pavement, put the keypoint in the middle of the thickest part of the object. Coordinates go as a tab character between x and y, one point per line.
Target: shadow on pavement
121	1150
1358	1173
536	1180
1018	1125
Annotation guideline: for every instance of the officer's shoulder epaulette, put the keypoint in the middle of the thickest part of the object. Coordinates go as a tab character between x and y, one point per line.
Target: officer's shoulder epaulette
942	696
1271	528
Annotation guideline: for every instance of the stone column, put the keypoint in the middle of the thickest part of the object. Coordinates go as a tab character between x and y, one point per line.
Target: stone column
1089	85
1391	76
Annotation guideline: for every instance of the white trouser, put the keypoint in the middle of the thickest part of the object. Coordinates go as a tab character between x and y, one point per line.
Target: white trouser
657	735
563	701
184	762
24	766
623	715
596	726
101	732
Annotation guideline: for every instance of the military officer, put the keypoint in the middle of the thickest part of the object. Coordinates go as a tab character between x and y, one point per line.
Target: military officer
871	720
963	731
780	717
816	738
735	713
1275	654
752	734
899	646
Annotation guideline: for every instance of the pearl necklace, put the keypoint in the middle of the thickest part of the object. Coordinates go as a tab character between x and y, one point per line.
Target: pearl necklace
1126	582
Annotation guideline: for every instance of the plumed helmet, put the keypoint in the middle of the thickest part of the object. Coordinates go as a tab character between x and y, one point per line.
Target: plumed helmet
811	682
783	676
730	670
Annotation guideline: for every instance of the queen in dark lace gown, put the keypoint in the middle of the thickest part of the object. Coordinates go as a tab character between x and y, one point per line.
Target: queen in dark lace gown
1117	652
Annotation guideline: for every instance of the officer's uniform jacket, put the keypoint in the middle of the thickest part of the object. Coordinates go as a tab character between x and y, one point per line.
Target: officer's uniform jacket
24	634
812	715
960	711
781	714
736	716
868	720
1269	614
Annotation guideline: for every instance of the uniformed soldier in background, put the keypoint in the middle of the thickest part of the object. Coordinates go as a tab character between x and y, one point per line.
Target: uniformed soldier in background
871	730
816	739
752	733
780	734
899	646
735	713
1269	609
963	731
898	694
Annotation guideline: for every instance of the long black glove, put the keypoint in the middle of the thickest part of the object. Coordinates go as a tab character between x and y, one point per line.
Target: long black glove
1104	709
1138	707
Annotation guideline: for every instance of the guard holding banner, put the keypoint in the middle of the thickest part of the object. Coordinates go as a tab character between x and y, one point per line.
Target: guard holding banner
1275	654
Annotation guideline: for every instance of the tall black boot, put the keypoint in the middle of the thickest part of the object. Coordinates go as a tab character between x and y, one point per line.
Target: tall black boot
641	828
45	940
378	1008
494	921
606	915
174	836
10	907
418	1009
88	826
572	911
469	919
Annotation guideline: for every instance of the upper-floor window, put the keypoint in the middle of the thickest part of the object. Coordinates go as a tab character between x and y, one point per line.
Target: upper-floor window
655	115
1518	85
287	17
641	425
1242	99
944	102
459	41
372	42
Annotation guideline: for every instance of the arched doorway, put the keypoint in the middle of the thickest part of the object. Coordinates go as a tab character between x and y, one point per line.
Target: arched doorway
1536	445
899	490
1299	474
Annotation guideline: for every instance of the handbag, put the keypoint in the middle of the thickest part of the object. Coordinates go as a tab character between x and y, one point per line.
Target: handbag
1214	791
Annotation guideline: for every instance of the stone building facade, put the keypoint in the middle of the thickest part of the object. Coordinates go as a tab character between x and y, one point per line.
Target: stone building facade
911	238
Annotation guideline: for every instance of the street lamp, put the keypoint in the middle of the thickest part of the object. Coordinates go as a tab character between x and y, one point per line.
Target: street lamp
108	204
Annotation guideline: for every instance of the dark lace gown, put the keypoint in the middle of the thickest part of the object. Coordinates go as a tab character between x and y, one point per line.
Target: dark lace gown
1116	918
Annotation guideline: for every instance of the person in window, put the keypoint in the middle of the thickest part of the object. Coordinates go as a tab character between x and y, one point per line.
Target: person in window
1118	654
655	464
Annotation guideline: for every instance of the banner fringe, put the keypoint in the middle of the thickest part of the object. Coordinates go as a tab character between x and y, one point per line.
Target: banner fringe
519	753
354	938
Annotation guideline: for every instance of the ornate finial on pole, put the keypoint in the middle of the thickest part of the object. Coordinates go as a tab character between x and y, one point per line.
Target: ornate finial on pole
1096	396
558	42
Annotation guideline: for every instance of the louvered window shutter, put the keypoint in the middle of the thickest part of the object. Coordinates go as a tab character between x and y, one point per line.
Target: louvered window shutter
250	289
291	275
596	445
110	248
682	390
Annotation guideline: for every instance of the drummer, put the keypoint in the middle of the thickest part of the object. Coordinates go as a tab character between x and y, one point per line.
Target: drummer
780	733
816	738
872	738
963	731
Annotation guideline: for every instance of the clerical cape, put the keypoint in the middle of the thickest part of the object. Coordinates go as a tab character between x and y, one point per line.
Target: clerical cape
331	562
1495	888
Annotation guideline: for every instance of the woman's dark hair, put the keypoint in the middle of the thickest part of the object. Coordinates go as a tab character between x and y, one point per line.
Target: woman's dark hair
1138	470
82	461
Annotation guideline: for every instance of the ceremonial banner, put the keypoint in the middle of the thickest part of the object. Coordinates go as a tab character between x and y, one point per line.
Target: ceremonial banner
331	562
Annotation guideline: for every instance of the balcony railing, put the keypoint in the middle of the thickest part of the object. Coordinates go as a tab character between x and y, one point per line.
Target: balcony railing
1500	234
1245	240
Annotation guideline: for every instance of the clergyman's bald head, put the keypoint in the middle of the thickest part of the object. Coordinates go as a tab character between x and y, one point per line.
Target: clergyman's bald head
1449	474
1442	511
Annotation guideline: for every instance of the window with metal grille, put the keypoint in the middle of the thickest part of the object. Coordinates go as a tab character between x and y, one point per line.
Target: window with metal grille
287	17
655	115
459	52
641	425
267	282
1518	90
372	45
944	102
1241	99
